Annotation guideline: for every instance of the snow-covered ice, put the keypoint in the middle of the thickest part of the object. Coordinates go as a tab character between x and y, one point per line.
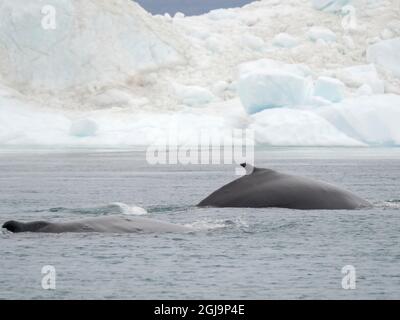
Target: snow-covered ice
97	42
267	83
291	127
330	5
261	90
373	120
330	89
83	128
285	40
321	34
113	74
386	53
362	75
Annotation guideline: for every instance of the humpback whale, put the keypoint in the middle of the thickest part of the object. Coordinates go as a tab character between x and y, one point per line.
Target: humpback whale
111	224
262	188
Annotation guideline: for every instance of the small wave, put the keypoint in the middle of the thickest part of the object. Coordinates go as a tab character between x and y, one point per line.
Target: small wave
111	208
127	209
163	209
390	204
209	225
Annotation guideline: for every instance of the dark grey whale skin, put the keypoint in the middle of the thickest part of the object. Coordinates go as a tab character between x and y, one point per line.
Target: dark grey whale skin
109	224
268	188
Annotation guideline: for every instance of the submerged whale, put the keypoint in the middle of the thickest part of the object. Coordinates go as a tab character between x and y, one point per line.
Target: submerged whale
262	188
110	224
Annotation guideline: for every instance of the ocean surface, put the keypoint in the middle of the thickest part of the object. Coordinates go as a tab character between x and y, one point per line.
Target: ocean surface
234	253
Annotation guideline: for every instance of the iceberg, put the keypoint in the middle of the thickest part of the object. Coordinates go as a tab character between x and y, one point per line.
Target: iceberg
330	89
321	34
386	54
269	84
292	127
362	75
373	120
285	40
90	42
83	128
330	5
108	73
193	95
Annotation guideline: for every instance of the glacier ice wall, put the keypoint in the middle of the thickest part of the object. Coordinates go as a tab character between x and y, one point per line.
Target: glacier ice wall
88	42
112	74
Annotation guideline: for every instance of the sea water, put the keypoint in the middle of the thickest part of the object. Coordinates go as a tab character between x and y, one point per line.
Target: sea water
244	253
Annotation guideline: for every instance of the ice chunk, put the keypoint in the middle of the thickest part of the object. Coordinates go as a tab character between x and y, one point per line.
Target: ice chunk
386	54
268	84
252	42
373	120
301	70
116	98
83	128
292	127
220	87
193	95
24	124
285	40
221	14
357	76
329	88
329	5
179	15
364	90
321	33
262	90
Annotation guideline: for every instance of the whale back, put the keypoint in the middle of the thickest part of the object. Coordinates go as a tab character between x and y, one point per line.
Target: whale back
269	188
108	224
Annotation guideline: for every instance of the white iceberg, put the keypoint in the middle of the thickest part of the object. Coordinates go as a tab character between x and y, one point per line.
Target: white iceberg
90	42
267	84
321	34
193	95
330	89
373	120
292	127
285	40
83	128
111	74
361	75
386	54
330	5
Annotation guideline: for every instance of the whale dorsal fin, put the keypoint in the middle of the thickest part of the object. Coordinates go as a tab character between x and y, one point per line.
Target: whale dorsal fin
251	169
248	167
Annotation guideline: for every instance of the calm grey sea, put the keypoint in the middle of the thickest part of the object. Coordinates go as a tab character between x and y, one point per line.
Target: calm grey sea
236	253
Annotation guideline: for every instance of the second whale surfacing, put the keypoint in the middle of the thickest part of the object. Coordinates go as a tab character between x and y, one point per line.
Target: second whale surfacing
262	188
108	224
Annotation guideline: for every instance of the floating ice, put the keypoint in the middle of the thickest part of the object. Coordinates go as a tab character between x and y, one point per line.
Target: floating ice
292	127
373	120
329	5
193	95
83	128
329	88
285	40
358	76
386	54
252	42
268	84
321	33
